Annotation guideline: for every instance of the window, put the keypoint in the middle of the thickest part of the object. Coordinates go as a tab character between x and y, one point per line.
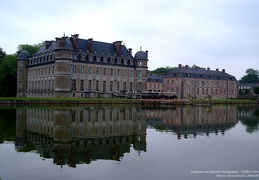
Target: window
73	85
97	70
139	86
130	86
82	69
104	71
111	72
90	70
131	73
104	86
176	81
118	86
118	72
124	86
139	74
74	69
124	72
82	85
89	85
111	85
20	73
97	85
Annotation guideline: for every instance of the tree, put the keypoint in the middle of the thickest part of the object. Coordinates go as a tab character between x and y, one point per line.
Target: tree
2	53
162	70
32	49
8	76
252	76
256	90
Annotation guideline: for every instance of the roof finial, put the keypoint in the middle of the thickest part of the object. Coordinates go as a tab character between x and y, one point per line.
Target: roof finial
140	48
64	35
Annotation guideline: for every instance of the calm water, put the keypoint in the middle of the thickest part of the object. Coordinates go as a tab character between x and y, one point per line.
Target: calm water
210	142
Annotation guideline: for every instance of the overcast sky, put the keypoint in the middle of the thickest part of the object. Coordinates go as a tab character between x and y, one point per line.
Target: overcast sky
221	34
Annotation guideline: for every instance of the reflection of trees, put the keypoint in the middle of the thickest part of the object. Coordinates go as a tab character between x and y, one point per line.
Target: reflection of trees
250	119
251	124
7	124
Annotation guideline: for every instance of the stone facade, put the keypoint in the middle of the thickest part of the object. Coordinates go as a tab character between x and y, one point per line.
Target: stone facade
73	67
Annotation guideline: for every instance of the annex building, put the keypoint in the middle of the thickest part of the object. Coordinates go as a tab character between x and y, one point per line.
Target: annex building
74	67
200	83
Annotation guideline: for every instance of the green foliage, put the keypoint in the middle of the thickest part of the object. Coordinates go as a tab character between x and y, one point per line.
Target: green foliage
162	70
32	49
252	76
8	76
2	53
256	90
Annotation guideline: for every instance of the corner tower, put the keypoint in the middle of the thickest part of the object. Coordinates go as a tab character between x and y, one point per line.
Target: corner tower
22	62
141	59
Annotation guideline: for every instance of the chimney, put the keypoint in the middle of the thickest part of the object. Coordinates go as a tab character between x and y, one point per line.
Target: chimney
217	69
117	45
90	44
223	70
130	50
147	54
61	42
179	66
75	40
208	68
186	66
47	44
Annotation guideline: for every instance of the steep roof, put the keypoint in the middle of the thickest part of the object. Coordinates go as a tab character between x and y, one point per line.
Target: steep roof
155	78
200	73
83	44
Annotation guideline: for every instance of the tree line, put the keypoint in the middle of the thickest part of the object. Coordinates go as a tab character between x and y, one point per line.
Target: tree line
8	70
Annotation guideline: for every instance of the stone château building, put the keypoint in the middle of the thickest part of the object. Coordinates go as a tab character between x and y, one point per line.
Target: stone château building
74	67
200	83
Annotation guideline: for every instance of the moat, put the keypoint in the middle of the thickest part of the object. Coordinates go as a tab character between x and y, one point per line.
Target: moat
129	142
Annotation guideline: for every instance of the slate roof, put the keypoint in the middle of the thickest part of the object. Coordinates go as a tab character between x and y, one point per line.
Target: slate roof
155	78
83	44
140	55
200	73
24	55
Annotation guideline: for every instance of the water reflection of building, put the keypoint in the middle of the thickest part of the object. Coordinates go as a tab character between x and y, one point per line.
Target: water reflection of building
193	120
79	135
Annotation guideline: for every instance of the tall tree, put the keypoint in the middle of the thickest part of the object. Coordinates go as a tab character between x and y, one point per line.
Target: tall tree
252	76
8	78
2	53
32	49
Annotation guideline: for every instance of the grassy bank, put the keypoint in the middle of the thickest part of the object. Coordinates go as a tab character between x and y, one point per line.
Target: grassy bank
103	101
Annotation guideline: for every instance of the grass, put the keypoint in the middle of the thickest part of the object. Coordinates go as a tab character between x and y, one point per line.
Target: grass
63	99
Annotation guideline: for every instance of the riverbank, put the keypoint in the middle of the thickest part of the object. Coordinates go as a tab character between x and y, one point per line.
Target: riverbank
6	101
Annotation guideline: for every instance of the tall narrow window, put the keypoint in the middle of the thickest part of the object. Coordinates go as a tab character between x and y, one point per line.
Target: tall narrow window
104	71
118	86
124	86
82	69
74	69
104	86
73	85
97	70
89	85
111	85
82	85
97	85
